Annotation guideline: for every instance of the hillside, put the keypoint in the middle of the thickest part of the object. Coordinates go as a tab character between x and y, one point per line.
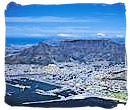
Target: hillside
70	51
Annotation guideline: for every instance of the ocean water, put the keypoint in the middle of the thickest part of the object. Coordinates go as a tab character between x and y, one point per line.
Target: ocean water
16	96
23	41
54	40
19	95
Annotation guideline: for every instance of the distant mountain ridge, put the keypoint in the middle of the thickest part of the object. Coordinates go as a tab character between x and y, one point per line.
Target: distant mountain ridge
70	51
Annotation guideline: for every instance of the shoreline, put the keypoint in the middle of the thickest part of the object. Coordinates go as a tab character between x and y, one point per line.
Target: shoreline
90	101
78	98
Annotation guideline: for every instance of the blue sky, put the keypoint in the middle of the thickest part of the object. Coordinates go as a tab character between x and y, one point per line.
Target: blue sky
68	20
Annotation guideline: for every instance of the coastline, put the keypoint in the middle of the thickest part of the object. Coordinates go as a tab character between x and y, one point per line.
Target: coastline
90	101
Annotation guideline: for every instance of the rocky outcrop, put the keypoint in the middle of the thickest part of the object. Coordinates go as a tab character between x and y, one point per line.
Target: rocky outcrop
70	50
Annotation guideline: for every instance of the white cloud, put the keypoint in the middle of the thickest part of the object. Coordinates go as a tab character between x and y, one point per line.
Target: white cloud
74	27
34	35
120	35
101	34
64	35
49	19
33	31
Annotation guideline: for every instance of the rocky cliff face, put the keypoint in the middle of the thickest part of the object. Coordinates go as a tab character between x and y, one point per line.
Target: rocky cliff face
71	50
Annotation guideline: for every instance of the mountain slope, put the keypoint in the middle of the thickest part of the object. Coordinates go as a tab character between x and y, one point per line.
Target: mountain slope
73	50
